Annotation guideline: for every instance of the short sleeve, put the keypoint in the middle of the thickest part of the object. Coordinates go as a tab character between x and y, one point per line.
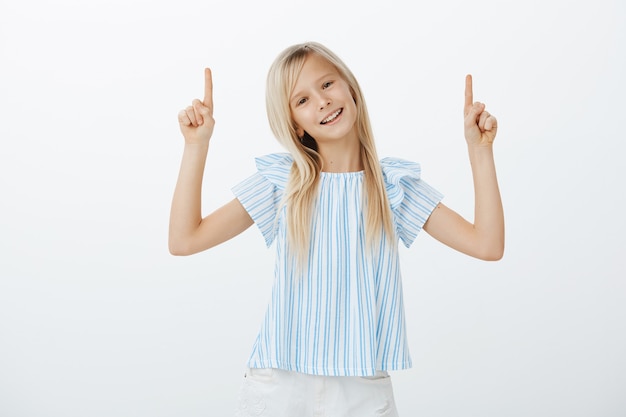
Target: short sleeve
261	193
411	199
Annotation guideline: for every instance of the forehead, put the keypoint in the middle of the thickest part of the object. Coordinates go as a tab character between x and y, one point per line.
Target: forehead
314	67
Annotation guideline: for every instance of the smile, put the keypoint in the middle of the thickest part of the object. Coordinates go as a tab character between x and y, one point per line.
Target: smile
332	117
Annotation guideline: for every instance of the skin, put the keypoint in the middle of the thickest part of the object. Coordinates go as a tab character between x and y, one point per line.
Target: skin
319	92
484	238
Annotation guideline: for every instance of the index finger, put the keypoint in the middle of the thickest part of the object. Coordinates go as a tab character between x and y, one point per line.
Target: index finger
208	89
469	94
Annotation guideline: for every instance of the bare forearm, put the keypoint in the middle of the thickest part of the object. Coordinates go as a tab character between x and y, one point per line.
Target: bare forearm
488	211
189	231
186	210
484	238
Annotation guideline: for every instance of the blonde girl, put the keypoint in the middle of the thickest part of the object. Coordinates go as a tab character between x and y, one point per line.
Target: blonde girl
335	212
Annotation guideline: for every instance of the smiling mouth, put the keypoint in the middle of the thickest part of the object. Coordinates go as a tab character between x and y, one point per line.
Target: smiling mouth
332	117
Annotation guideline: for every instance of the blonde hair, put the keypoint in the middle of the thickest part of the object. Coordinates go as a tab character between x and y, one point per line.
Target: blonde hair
301	189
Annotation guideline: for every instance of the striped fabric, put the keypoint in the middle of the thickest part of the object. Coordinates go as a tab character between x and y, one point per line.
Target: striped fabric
343	314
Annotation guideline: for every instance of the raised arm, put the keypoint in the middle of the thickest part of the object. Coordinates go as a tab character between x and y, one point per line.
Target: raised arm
188	232
483	239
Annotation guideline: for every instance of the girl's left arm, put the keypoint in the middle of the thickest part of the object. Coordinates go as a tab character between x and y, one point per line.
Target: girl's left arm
484	239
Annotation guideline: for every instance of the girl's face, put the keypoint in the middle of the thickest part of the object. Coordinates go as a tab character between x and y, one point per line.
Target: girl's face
321	103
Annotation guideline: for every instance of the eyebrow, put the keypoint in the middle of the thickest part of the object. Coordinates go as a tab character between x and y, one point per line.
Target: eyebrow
326	75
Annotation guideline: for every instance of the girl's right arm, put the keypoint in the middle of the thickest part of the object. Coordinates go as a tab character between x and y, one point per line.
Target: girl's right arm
189	233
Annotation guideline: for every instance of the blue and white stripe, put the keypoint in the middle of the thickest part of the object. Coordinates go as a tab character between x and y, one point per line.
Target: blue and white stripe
343	314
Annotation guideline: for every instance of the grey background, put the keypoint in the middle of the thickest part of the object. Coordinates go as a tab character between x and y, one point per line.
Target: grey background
97	319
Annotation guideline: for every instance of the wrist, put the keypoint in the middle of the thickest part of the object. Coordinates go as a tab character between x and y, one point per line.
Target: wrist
197	147
484	148
480	154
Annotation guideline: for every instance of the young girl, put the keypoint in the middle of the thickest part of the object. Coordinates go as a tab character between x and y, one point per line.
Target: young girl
335	212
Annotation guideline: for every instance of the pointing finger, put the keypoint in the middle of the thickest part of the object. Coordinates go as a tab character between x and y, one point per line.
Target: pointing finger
473	114
208	89
469	94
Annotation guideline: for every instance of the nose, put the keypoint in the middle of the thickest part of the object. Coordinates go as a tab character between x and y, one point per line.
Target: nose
324	102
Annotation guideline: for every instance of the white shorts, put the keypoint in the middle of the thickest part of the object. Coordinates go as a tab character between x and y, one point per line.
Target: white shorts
279	393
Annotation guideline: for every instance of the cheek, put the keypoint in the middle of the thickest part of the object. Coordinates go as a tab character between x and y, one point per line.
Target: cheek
297	125
299	119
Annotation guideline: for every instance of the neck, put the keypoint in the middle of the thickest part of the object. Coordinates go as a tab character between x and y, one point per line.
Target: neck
341	157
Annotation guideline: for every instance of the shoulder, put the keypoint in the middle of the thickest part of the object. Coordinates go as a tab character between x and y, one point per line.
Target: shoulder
275	167
403	181
280	159
397	169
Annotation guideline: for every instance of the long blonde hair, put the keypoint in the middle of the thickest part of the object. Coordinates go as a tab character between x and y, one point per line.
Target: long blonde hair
301	190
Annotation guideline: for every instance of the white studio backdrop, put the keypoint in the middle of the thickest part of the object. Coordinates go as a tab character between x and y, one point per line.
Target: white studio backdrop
97	318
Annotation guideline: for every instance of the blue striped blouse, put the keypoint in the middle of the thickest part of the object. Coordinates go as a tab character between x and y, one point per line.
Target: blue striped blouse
343	314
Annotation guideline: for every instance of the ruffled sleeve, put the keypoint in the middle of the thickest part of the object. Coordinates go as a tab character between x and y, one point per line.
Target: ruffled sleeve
261	193
411	199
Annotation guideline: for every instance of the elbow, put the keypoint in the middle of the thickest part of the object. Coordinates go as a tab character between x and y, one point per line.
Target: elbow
179	248
492	254
491	248
176	251
186	246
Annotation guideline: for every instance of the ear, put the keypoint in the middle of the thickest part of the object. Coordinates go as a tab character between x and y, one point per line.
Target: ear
299	132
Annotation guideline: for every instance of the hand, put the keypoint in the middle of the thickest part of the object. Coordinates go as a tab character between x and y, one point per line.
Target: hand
480	126
196	121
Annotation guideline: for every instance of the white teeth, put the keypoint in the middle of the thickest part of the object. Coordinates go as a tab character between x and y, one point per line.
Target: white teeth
331	117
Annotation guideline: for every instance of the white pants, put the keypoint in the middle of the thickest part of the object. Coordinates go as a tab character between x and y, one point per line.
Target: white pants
279	393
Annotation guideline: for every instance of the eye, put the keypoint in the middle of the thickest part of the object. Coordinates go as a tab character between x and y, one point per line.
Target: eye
301	101
327	84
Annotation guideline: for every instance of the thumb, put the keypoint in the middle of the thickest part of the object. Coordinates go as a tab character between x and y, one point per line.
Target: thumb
201	111
473	113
